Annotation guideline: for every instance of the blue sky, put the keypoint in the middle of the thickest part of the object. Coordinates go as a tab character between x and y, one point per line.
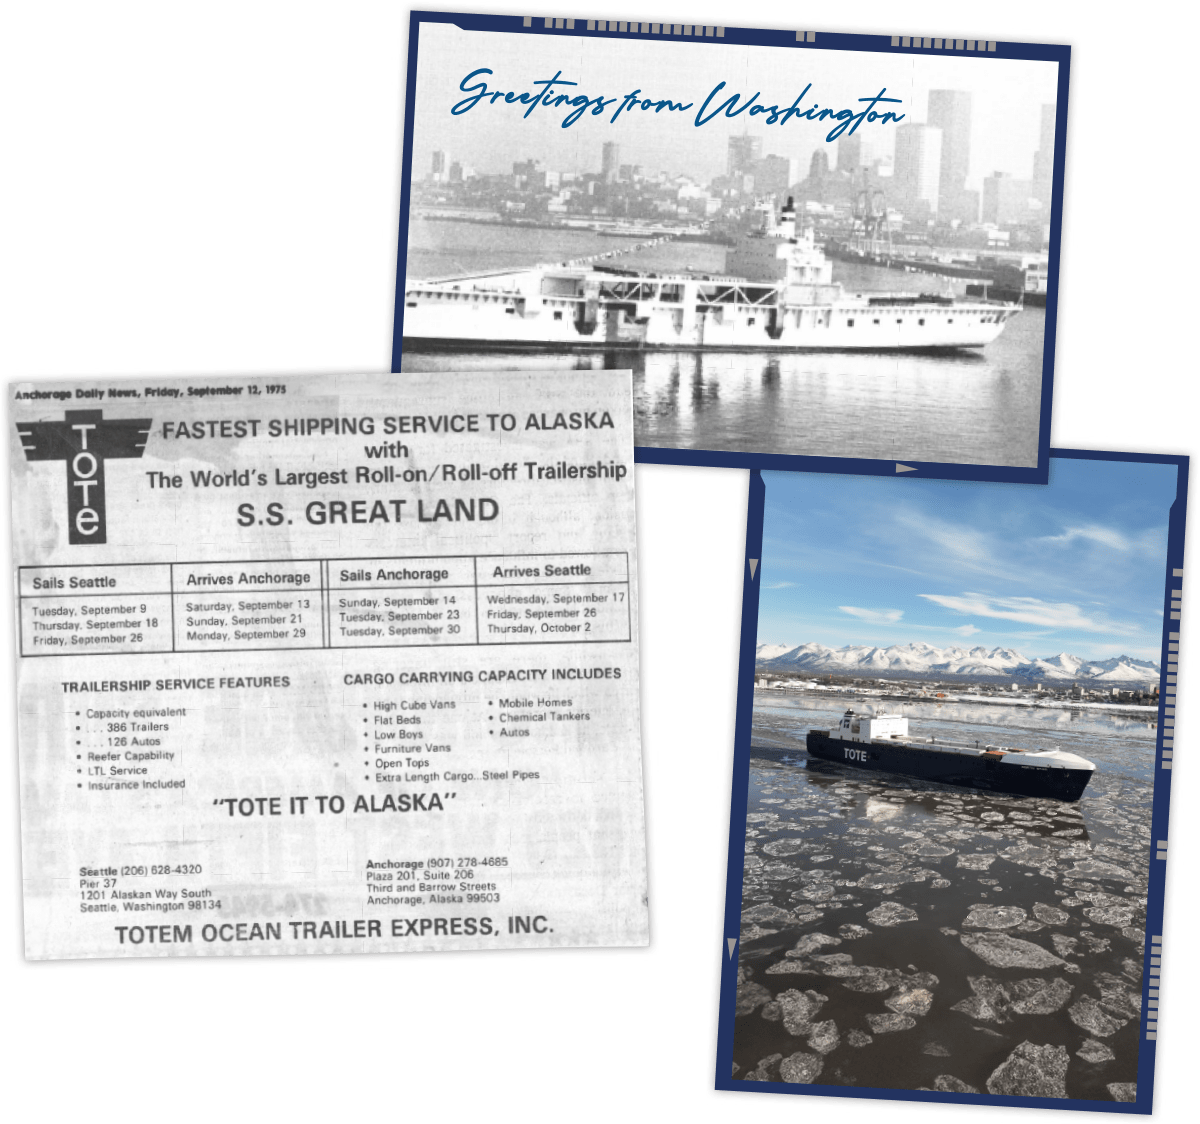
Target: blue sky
1076	565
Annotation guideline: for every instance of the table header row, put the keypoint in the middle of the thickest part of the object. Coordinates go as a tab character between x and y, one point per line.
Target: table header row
352	573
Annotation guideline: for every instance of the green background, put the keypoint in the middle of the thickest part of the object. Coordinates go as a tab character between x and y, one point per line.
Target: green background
208	186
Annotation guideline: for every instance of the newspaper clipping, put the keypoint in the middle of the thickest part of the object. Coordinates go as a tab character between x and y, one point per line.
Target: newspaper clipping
336	664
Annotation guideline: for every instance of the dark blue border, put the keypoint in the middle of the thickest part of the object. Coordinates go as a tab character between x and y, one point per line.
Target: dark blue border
737	826
827	41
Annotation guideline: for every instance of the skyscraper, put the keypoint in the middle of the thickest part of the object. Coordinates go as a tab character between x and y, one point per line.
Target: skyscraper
439	170
610	161
1006	200
743	155
1043	159
950	111
918	166
774	175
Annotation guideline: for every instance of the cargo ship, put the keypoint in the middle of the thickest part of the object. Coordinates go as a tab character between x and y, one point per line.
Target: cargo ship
882	743
792	304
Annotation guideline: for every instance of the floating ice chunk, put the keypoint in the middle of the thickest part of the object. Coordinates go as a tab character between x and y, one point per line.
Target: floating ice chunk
1064	946
1039	996
945	1083
772	1012
793	968
851	932
927	850
762	1071
801	1068
873	979
1122	1090
805	913
782	848
824	1037
935	1050
914	1001
1095	1052
1031	1071
1086	1014
750	995
994	917
1049	915
1003	951
1117	997
891	913
768	913
976	861
753	932
888	879
886	1024
858	1038
977	1008
1093	868
762	817
810	942
1116	915
798	1008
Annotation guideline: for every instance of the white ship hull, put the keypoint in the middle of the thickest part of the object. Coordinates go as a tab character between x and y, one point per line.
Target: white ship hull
796	307
463	317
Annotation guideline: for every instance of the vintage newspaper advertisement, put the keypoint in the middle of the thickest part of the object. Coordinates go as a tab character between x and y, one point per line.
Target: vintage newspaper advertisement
327	664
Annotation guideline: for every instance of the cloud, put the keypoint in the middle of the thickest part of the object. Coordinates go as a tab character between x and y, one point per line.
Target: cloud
779	585
873	616
1028	610
965	630
1105	536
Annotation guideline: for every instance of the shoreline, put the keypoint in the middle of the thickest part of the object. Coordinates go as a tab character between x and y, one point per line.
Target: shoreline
1033	704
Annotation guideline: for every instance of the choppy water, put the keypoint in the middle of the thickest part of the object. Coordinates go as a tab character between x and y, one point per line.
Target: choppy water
977	407
907	935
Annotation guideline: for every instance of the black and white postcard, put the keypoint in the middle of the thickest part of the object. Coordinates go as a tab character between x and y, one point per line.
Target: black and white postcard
816	251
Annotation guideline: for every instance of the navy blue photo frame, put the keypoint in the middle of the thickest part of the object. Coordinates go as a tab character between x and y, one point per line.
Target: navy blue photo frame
1155	856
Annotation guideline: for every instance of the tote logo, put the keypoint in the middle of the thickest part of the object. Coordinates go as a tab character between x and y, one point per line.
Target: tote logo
85	441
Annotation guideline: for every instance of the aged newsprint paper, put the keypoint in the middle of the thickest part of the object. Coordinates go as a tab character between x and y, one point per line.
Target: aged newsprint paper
327	664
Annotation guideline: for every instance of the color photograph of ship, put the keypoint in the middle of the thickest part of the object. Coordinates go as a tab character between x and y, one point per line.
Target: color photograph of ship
942	844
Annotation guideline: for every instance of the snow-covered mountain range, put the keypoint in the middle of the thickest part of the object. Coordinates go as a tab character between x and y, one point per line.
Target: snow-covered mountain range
924	659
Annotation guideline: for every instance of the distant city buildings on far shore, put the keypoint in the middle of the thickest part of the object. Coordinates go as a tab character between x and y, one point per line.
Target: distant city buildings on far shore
914	176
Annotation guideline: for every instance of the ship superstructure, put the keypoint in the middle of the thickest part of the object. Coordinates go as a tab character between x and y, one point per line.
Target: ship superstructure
791	303
882	743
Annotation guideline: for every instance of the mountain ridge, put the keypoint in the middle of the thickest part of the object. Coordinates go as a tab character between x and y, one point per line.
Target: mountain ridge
919	658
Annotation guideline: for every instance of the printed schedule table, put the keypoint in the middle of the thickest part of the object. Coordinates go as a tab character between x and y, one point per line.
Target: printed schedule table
325	603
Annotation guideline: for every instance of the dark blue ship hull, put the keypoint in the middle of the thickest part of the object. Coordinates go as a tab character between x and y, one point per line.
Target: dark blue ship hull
988	772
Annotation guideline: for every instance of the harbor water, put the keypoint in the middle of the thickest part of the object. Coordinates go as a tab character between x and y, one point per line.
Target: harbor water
979	406
900	934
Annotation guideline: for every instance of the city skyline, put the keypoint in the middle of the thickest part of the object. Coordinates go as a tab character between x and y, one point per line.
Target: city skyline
1007	99
1076	565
